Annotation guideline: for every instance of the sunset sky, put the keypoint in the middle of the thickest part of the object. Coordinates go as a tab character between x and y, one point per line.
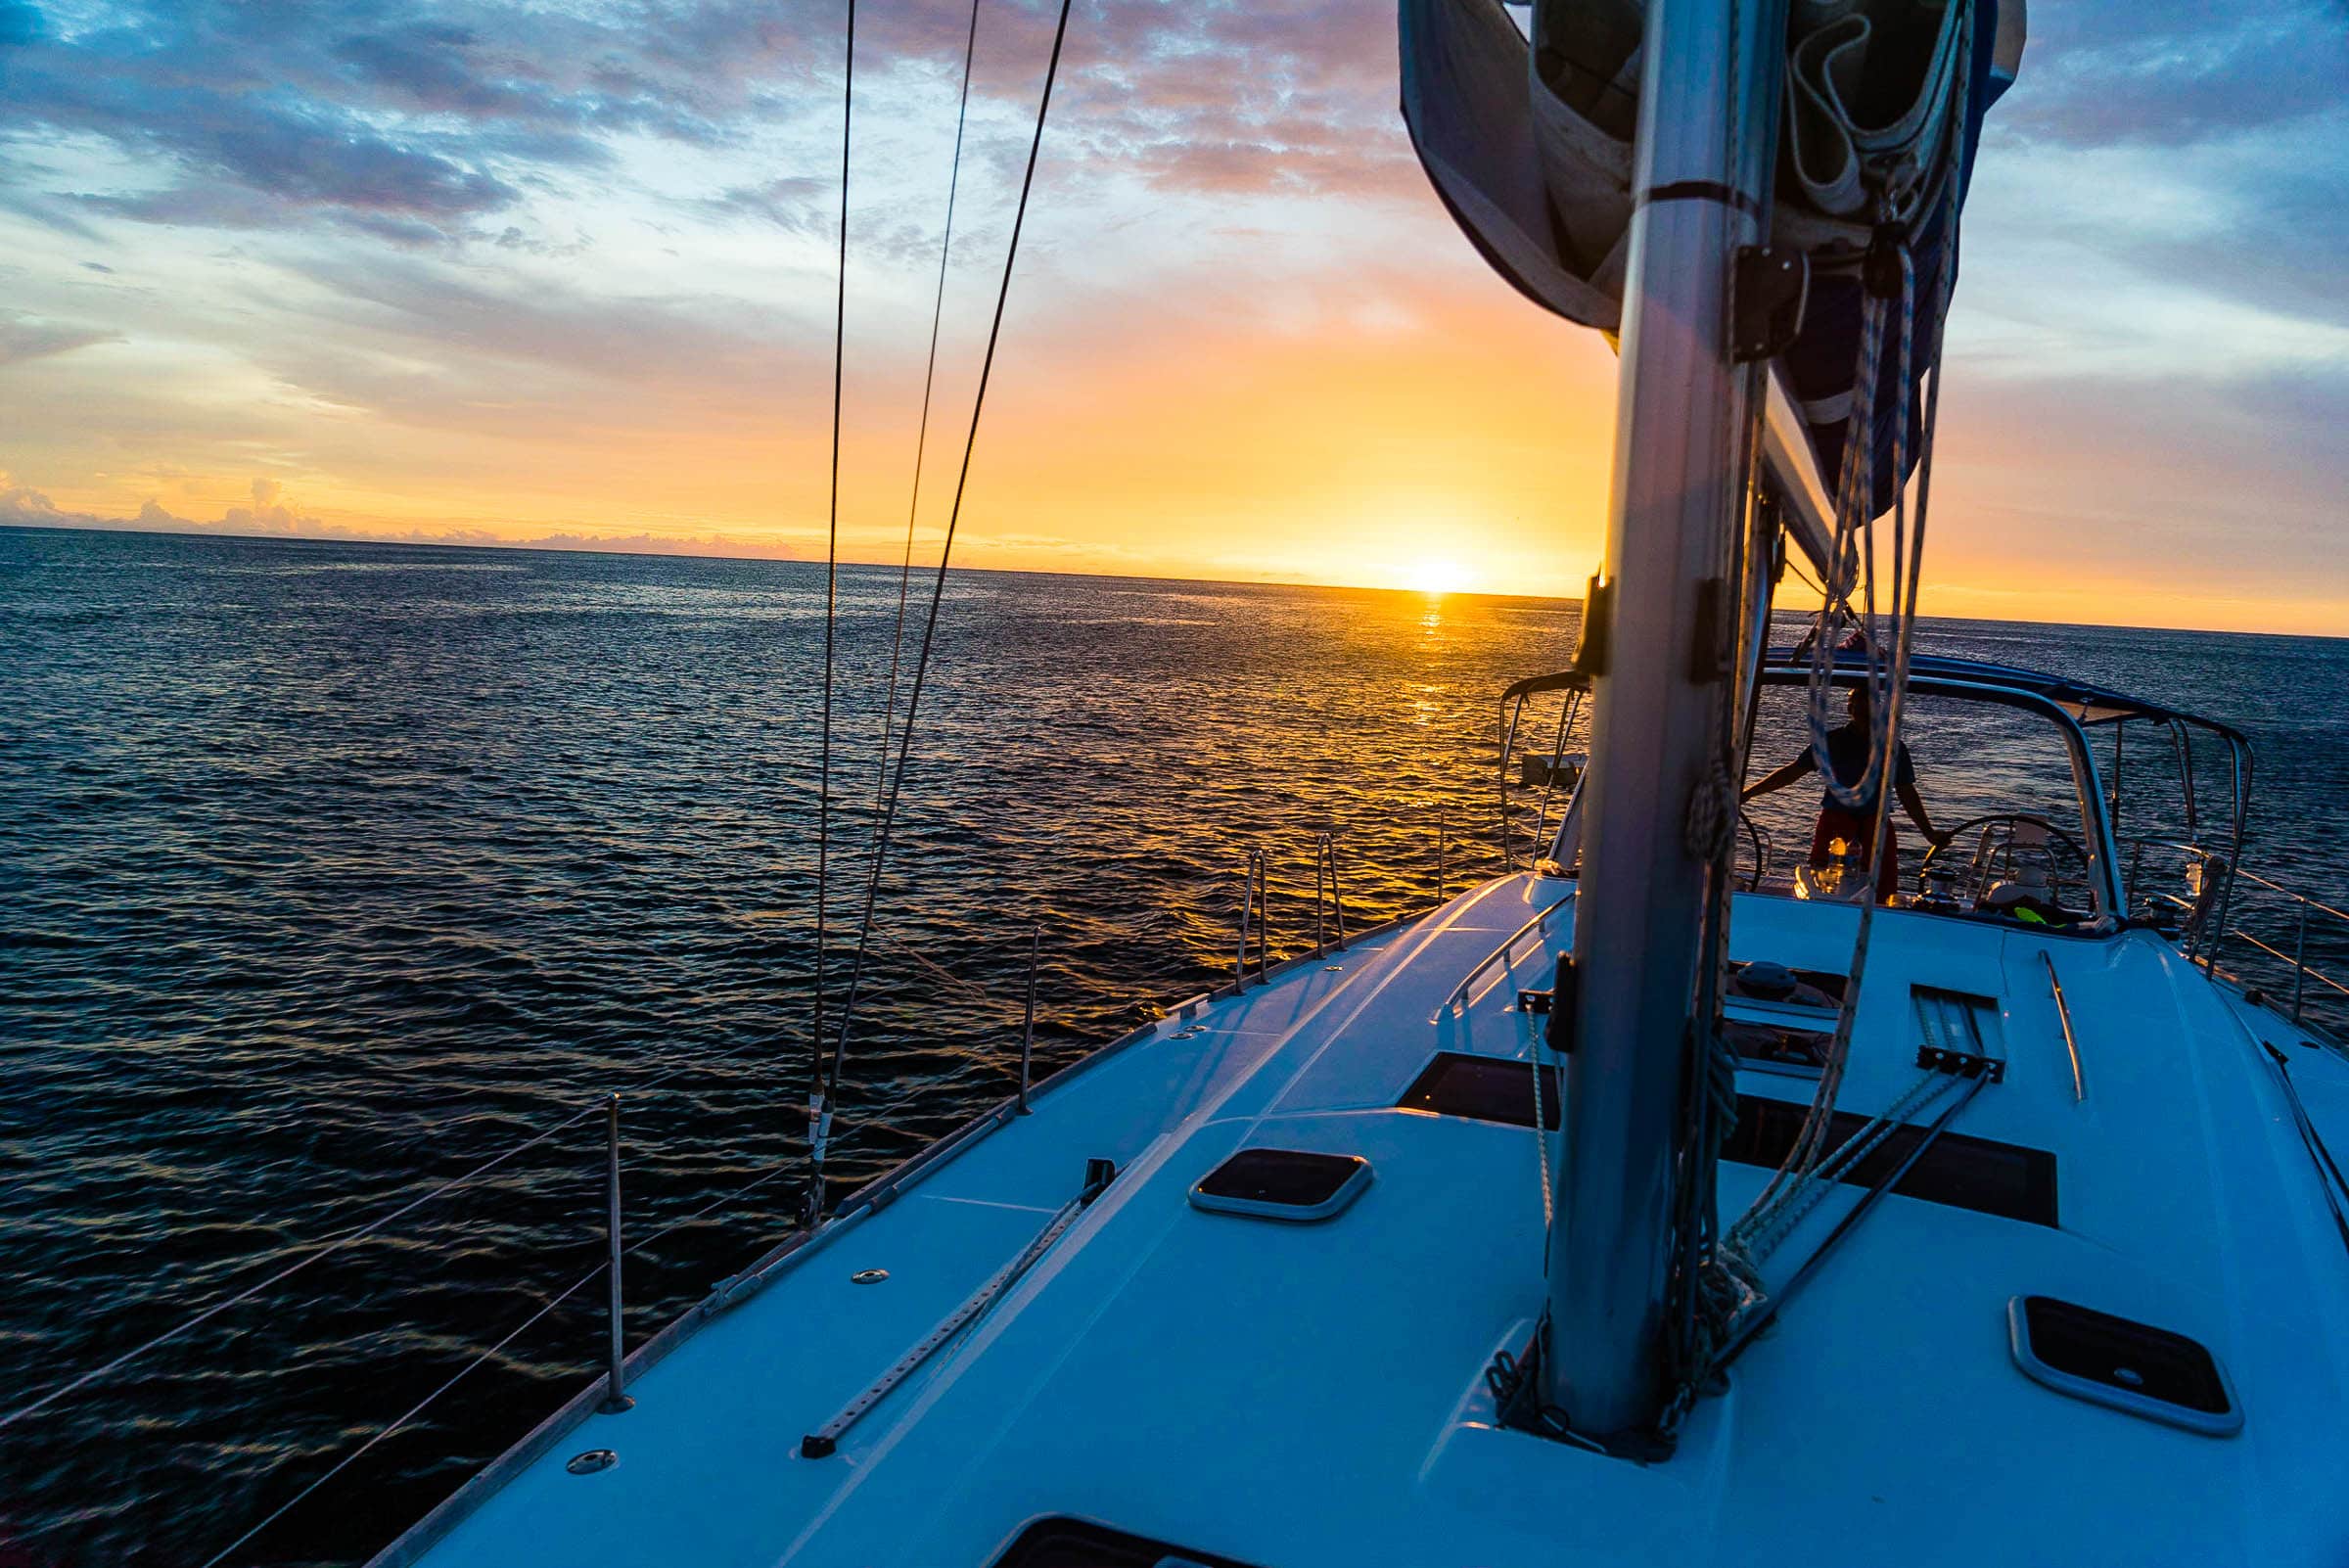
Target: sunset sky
562	273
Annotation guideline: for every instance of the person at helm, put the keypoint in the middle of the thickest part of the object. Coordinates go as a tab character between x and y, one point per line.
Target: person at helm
1848	747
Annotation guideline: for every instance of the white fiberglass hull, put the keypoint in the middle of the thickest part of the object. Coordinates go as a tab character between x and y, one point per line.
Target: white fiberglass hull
1292	1395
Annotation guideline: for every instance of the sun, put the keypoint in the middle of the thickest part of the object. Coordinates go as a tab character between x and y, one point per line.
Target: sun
1435	578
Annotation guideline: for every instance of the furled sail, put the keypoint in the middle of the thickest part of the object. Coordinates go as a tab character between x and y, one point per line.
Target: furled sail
1527	140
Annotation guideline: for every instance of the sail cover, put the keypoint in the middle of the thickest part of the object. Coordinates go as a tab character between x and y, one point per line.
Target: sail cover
1527	140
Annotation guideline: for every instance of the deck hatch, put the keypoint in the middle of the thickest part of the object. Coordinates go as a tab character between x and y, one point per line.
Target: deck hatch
1482	1088
1283	1184
2129	1365
1983	1175
1080	1543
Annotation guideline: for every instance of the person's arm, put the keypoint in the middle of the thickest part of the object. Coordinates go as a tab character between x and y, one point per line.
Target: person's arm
1781	779
1915	804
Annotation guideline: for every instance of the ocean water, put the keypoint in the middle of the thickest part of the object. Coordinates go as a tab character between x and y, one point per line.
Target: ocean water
327	871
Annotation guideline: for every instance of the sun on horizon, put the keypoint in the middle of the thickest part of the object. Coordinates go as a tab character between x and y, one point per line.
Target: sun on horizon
1435	577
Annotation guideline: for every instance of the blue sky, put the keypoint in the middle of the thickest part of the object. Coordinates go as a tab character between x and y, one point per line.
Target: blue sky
562	272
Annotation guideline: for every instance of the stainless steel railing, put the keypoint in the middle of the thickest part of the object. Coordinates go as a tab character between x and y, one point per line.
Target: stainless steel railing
1330	930
2302	970
1252	921
1325	871
1457	1001
616	1245
1329	905
616	1396
2213	912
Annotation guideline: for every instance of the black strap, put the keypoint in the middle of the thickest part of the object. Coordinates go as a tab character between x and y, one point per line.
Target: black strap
1701	191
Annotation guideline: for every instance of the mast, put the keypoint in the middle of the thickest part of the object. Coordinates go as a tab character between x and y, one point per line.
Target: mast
1706	145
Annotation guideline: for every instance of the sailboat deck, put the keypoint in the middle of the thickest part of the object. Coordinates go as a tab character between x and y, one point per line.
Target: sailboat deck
1332	1407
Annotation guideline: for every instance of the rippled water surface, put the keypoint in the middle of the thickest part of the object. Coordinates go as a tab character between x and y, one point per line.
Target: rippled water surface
327	871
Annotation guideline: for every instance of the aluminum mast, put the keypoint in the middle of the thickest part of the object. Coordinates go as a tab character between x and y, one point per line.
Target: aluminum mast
1707	138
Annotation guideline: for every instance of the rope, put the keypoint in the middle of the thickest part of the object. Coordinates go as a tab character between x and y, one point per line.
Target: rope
1711	829
1809	1142
1702	1295
1852	549
921	668
1799	1173
1541	1151
1764	1309
921	443
1760	1231
820	1114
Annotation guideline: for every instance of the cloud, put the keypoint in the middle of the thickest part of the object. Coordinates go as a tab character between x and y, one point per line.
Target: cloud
1223	99
571	261
23	506
261	115
2174	73
273	515
2154	236
258	112
23	338
798	204
456	334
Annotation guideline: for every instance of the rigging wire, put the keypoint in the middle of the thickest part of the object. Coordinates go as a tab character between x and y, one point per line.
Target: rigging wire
938	588
318	1251
634	1247
413	1410
818	1111
921	443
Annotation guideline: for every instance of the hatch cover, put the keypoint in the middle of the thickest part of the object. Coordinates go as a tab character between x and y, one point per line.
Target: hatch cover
1482	1088
2007	1180
1290	1185
1080	1543
2121	1363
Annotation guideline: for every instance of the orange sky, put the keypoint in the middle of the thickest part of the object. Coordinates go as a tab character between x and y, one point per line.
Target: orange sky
1245	341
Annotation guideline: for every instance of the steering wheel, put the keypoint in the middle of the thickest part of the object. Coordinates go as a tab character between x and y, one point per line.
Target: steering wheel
1760	845
2055	836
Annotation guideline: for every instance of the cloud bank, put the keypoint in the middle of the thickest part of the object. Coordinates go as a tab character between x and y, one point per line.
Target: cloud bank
566	268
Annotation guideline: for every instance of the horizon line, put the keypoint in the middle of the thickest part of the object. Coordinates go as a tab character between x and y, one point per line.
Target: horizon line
1039	572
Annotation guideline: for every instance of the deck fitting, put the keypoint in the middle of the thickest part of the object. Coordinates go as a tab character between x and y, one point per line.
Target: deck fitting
1962	1064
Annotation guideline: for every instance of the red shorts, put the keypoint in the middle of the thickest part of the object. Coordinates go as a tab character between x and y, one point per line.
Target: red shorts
1856	829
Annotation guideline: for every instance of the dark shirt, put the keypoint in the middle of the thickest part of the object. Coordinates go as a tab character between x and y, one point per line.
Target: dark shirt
1847	750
